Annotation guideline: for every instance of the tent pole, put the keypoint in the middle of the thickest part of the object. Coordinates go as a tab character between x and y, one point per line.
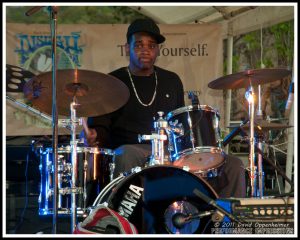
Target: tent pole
290	151
228	92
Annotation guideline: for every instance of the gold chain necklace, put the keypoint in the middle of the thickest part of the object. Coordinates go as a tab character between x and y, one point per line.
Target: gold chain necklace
137	96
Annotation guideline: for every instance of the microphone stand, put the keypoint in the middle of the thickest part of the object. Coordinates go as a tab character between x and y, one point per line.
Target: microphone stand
265	158
33	10
74	165
53	27
250	98
276	167
213	203
260	146
53	24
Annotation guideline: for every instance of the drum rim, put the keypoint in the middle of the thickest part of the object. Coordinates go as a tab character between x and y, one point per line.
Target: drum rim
106	190
190	108
189	151
67	149
207	170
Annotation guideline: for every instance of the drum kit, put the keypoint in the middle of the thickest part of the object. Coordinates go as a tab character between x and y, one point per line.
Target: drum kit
195	151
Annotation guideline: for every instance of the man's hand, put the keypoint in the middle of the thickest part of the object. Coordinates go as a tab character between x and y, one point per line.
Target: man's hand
90	133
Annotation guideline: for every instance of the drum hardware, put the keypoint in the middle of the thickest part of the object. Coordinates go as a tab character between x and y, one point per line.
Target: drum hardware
79	91
67	190
261	174
182	220
276	167
208	173
85	169
157	139
193	97
234	132
267	159
111	170
157	155
177	218
247	79
91	161
249	95
160	126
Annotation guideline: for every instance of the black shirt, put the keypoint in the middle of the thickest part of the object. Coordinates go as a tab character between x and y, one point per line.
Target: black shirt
124	125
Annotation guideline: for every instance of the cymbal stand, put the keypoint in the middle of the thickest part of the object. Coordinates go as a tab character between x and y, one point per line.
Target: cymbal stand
74	190
53	26
260	146
250	98
61	122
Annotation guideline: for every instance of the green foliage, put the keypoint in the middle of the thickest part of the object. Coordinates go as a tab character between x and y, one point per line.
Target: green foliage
277	48
235	64
284	42
75	15
252	40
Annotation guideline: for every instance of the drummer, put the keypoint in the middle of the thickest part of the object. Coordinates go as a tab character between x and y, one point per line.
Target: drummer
152	89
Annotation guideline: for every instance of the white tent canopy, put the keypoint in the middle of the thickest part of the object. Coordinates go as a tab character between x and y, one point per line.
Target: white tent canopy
234	19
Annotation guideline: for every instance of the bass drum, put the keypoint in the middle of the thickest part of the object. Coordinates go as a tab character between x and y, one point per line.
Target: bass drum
156	198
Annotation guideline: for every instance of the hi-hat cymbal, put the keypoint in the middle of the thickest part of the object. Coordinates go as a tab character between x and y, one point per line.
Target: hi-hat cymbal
249	77
263	125
16	77
96	93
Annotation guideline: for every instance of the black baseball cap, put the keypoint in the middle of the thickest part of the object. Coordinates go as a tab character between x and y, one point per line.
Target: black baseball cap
145	25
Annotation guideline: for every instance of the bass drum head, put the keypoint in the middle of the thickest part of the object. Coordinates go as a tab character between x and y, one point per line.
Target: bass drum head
155	197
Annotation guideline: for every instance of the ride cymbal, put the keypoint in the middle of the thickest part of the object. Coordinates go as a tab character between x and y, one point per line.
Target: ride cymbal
249	77
96	93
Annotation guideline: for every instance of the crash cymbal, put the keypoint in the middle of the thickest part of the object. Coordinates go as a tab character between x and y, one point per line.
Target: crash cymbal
16	77
263	125
245	78
96	93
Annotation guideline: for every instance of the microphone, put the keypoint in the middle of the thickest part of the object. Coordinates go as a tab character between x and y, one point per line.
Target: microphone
290	99
212	202
234	132
180	219
33	10
46	9
193	97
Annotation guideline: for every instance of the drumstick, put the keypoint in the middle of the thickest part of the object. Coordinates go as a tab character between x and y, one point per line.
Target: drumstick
85	126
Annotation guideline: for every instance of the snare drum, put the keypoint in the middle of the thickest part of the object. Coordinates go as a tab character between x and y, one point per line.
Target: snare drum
93	164
194	139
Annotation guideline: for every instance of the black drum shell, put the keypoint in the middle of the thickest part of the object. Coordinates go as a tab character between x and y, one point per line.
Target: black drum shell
162	185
